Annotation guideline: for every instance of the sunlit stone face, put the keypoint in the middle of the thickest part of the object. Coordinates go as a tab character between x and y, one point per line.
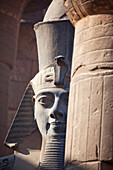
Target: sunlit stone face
51	110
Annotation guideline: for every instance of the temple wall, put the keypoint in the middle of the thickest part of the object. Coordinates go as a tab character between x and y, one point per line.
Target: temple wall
10	14
26	66
28	151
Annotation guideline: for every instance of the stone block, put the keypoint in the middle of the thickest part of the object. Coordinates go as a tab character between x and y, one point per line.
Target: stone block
89	47
6	163
33	16
21	71
94	120
8	44
97	165
16	91
106	166
69	135
4	78
34	69
4	84
27	154
11	114
27	48
106	150
82	117
93	166
3	124
80	120
84	166
95	44
4	109
56	14
92	70
87	7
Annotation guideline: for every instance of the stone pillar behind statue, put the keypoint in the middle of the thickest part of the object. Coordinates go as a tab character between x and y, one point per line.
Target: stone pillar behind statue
90	118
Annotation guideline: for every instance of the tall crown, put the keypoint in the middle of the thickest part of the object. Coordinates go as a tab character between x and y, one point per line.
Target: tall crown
55	44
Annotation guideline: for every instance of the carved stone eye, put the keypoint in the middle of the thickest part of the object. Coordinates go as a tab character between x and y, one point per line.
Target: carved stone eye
45	100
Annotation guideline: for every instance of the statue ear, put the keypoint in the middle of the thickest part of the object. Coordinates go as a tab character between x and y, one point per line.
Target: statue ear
23	123
33	100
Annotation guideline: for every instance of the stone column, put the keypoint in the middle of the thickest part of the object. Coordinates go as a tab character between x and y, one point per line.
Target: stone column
89	142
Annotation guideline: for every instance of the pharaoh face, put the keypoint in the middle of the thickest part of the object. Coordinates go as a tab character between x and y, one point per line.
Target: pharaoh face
51	110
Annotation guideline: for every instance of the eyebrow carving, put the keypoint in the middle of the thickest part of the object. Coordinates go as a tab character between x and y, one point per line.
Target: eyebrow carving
44	94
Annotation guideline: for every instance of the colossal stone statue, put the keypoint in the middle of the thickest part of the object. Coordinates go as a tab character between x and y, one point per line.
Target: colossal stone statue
49	89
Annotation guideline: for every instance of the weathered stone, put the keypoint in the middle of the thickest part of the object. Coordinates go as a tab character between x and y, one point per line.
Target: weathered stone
20	72
27	154
106	150
11	113
80	9
94	128
9	29
35	5
84	166
106	166
5	73
10	14
23	124
27	42
51	86
60	60
69	132
4	83
6	163
34	69
56	14
89	124
26	65
49	30
17	88
97	165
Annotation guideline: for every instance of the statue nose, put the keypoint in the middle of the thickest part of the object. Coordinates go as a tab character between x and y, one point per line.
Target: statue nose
56	111
56	115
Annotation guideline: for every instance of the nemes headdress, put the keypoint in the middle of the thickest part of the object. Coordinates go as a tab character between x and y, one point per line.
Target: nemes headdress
55	45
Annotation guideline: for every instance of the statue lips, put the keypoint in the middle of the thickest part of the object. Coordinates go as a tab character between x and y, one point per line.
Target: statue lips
58	126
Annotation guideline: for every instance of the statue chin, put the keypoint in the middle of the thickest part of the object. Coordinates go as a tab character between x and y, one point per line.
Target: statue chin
56	128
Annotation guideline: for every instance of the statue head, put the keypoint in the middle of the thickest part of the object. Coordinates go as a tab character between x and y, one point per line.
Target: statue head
51	98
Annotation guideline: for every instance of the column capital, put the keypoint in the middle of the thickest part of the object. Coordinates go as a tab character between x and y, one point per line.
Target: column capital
78	9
